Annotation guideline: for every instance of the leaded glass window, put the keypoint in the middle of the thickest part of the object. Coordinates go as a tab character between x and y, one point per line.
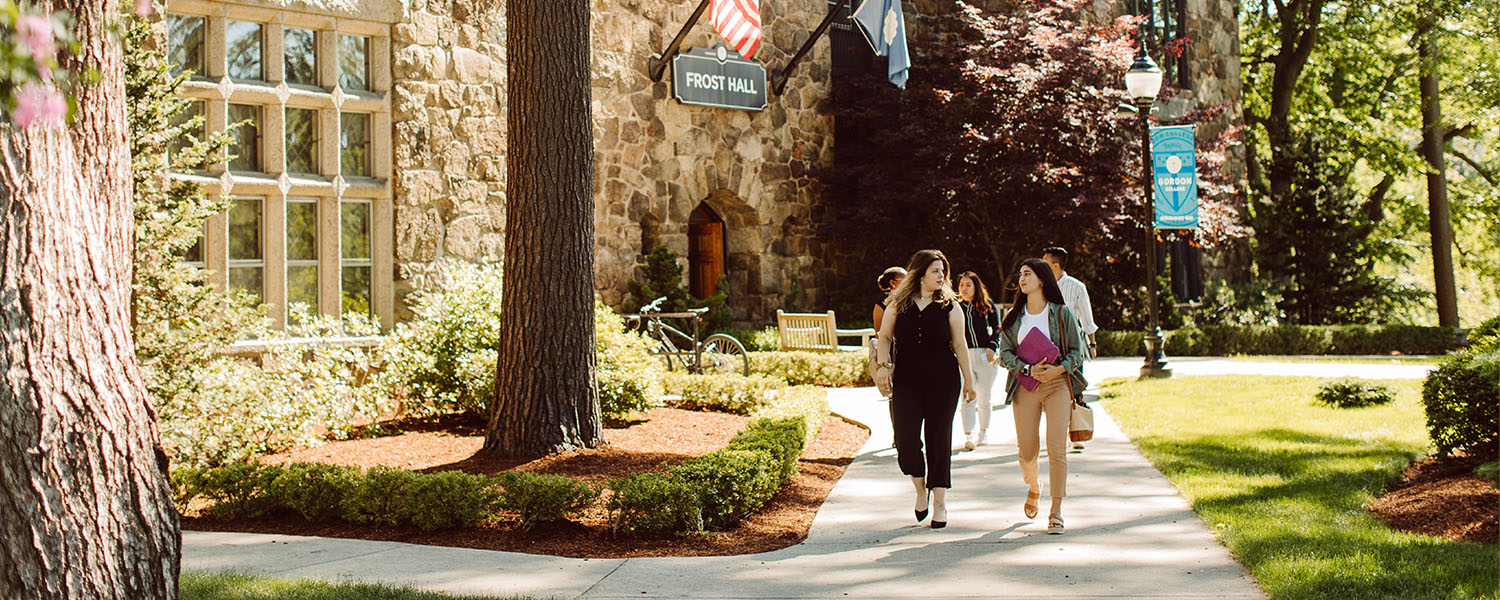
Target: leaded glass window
242	42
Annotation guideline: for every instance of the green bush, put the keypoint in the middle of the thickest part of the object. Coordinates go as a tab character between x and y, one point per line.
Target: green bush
435	362
1485	337
452	499
782	439
1462	400
727	392
542	497
1286	340
833	369
652	504
629	377
317	491
767	339
382	496
662	276
240	490
1354	393
730	484
808	403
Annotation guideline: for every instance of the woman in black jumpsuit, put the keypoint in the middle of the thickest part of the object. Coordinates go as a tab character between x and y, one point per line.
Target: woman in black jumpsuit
925	324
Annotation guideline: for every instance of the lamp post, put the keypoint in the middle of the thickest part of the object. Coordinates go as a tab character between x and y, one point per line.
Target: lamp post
1143	81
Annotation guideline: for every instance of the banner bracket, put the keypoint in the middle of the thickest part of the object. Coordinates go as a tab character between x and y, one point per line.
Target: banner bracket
778	83
658	62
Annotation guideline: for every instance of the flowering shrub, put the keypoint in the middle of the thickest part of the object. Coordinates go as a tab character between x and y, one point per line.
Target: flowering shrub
443	360
33	80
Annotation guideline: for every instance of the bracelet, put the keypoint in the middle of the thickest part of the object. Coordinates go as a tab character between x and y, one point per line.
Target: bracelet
885	365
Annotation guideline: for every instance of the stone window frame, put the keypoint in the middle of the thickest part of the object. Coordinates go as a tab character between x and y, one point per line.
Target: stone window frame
272	182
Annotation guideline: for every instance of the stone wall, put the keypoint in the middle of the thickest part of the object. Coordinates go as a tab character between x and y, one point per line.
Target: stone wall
448	112
655	160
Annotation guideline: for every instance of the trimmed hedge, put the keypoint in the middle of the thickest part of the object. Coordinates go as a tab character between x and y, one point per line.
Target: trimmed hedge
1220	340
714	491
324	492
833	369
725	392
722	487
1462	400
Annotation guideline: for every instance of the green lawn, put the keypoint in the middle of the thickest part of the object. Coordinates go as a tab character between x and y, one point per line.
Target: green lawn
237	586
1283	480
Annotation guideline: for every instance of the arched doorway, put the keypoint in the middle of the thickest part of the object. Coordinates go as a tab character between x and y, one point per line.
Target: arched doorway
705	251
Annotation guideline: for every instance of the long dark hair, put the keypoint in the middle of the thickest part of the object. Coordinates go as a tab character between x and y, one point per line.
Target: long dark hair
916	270
1050	291
982	303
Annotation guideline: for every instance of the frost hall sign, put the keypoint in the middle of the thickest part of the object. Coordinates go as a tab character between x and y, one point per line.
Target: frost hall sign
719	78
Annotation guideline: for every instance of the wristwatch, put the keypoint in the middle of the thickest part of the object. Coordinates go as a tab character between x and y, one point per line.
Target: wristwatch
1026	370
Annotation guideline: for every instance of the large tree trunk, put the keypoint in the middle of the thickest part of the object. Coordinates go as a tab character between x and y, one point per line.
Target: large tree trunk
1440	225
545	396
85	507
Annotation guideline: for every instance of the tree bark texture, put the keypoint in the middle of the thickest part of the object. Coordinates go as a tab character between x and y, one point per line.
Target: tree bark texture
85	506
1439	223
545	396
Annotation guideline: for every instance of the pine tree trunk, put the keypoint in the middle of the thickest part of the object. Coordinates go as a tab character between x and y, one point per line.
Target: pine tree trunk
85	507
1440	224
545	395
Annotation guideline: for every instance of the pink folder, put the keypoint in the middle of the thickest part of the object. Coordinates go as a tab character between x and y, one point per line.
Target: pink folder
1035	349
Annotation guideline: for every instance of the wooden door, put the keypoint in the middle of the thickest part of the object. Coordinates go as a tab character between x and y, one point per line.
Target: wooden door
705	257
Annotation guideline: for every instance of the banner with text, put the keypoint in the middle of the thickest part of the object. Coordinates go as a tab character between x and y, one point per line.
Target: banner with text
1175	170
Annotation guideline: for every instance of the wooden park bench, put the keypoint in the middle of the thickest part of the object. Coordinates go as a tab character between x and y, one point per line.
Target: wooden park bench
816	332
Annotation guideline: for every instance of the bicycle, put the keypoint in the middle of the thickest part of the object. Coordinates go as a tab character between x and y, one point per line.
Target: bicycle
718	353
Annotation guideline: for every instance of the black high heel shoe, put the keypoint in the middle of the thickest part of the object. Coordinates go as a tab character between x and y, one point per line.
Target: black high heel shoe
922	514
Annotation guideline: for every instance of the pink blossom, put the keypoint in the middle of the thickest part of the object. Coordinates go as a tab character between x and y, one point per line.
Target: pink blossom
39	105
143	8
36	32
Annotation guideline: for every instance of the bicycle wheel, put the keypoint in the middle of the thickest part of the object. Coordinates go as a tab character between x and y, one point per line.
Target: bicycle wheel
724	354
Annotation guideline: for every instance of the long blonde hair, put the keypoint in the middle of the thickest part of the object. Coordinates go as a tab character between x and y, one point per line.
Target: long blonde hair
911	287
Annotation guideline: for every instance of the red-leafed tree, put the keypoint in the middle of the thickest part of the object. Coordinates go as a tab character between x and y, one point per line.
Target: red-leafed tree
1006	140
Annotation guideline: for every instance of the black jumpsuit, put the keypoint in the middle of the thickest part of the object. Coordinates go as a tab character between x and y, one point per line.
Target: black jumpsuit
925	387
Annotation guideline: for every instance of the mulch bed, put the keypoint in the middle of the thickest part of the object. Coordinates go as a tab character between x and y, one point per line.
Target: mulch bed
1443	497
656	440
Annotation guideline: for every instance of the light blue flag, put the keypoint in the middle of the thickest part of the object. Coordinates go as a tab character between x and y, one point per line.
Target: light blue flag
885	28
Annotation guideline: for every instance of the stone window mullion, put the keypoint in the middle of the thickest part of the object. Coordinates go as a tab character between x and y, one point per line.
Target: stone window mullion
329	273
273	276
273	139
273	63
328	59
217	59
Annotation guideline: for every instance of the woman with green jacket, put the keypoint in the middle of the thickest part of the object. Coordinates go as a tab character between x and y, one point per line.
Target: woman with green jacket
1042	386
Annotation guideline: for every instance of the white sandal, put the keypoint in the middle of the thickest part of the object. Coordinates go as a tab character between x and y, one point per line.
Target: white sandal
1055	524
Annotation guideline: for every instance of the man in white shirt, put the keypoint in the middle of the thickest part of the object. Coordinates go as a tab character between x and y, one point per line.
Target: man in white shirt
1076	297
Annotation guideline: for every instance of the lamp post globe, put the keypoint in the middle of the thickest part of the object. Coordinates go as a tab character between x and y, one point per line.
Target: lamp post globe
1143	82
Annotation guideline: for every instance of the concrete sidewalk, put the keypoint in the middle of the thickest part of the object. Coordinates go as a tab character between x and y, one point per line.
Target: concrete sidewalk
1130	534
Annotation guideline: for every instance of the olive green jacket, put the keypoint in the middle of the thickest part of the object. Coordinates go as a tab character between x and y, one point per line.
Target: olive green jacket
1061	325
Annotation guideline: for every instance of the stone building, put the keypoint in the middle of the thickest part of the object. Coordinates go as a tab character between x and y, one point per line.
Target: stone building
375	146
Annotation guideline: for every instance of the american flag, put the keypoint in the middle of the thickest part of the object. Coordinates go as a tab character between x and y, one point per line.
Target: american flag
739	22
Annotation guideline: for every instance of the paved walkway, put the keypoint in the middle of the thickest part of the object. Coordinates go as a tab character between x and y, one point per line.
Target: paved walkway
1130	535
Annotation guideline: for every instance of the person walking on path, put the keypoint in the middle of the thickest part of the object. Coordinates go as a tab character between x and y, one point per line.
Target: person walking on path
887	283
924	363
982	326
1076	298
1043	386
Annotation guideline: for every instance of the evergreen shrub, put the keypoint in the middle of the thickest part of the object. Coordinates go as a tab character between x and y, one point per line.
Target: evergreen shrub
544	497
726	392
653	504
382	496
833	369
316	491
452	499
1462	401
1354	393
730	483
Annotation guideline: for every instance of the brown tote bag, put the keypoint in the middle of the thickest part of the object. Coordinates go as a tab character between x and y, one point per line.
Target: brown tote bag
1081	421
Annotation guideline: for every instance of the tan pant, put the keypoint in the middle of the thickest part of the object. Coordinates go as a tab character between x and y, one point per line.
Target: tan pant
1027	409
